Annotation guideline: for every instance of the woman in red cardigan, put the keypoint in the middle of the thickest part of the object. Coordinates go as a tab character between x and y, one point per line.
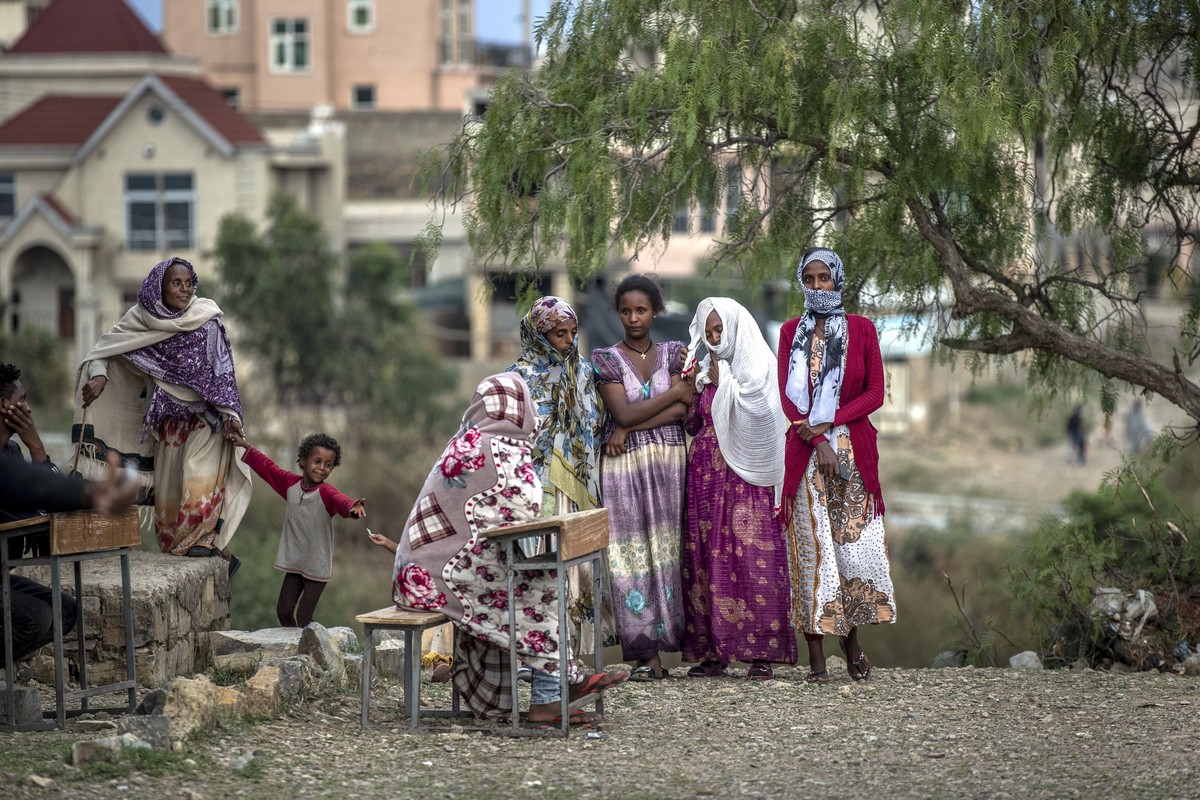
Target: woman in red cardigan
830	379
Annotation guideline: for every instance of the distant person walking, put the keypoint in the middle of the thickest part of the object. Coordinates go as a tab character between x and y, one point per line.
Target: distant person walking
1077	435
1138	432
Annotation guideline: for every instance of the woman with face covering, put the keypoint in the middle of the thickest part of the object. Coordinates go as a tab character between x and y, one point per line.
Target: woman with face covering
830	380
160	391
485	479
734	562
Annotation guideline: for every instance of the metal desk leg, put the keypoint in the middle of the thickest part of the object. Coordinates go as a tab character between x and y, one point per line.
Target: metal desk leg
598	624
56	609
366	676
9	696
412	671
564	644
82	645
514	711
127	599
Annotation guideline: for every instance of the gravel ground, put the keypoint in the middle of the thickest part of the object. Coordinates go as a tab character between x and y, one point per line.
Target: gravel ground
906	734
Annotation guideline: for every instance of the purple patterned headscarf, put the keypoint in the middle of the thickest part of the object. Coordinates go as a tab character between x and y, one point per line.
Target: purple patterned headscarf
550	312
201	360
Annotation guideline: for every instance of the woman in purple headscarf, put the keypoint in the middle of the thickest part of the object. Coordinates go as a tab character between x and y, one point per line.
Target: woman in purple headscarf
159	389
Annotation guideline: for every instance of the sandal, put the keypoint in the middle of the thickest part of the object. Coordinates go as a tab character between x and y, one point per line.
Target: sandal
859	669
760	671
817	677
578	718
707	669
644	674
597	682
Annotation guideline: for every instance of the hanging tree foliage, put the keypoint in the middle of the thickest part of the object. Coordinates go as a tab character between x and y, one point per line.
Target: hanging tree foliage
946	149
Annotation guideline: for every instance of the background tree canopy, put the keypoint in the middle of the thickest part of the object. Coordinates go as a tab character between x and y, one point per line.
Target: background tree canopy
328	336
1023	165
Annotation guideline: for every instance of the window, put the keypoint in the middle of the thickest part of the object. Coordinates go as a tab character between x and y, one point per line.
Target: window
679	224
362	96
708	218
289	44
232	95
457	45
8	195
159	210
360	16
222	16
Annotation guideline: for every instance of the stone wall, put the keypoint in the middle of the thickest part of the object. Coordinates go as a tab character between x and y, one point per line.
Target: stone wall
177	602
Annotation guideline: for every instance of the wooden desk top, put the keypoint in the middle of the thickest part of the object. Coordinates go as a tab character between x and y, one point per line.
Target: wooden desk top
72	532
579	533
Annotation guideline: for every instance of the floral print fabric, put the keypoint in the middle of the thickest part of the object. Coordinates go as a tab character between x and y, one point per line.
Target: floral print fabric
485	479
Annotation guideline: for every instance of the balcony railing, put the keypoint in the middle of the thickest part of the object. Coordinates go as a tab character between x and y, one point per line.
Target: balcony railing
484	53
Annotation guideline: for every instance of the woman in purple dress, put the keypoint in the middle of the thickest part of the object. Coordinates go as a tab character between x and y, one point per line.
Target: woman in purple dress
735	568
641	478
160	391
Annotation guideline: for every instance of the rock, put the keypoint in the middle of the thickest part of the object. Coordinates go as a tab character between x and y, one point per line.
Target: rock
154	730
353	663
107	749
242	761
949	659
1026	660
243	651
1191	665
345	638
190	705
152	702
315	641
387	659
27	706
228	699
262	691
39	781
94	725
1080	664
295	676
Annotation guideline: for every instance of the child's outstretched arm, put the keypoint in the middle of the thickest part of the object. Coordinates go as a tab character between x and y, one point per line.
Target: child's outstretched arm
381	541
359	509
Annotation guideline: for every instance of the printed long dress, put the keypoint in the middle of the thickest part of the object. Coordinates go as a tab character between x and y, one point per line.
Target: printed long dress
644	489
735	559
837	544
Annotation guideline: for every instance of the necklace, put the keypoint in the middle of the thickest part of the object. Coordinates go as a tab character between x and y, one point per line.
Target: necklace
641	353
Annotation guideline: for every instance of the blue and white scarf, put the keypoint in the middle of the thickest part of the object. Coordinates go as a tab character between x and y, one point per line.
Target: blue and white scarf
819	403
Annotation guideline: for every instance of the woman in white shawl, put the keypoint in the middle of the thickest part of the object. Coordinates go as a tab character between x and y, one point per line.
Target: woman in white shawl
735	568
160	391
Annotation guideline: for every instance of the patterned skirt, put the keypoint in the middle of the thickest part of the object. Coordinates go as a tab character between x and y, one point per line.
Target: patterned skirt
644	491
838	551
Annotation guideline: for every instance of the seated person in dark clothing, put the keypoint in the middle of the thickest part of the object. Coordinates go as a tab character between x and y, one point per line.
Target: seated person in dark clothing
23	489
16	420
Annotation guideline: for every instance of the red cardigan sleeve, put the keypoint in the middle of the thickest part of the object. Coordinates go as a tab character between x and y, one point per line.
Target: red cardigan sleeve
871	398
276	476
335	501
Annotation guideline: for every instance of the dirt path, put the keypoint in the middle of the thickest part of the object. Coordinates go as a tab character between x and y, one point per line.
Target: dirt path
906	734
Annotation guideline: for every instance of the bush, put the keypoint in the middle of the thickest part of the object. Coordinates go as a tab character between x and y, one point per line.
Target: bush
1135	534
42	358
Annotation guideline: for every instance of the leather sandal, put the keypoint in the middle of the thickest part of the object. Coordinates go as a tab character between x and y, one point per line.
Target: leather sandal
707	669
817	677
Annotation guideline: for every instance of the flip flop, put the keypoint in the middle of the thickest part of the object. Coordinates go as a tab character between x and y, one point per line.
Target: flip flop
597	682
644	674
707	669
860	668
760	671
817	677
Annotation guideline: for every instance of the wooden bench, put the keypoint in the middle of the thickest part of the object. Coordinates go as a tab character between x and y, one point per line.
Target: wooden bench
412	623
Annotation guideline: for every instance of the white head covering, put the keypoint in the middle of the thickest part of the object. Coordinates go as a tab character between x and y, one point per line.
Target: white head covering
747	416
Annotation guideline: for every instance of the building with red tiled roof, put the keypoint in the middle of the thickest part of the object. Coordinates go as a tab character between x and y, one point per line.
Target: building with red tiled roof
115	154
87	26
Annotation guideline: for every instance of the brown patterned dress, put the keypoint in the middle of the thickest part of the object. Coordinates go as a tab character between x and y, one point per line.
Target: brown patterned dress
837	545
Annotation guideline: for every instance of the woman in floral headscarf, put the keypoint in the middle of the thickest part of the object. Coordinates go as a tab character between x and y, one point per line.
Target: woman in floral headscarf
159	389
485	479
830	380
567	450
